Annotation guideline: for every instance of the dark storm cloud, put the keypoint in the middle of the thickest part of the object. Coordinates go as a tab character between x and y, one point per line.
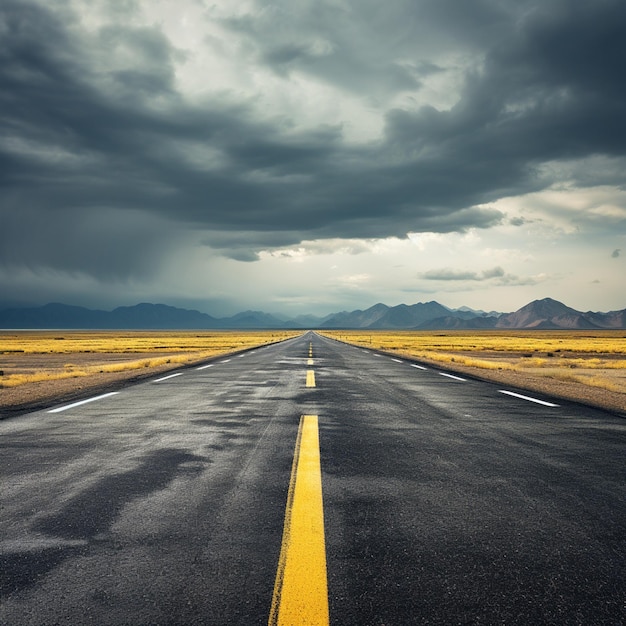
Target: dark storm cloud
103	243
549	91
340	45
370	47
91	150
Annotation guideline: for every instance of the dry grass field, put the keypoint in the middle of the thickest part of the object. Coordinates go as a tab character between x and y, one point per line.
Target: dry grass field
580	365
38	366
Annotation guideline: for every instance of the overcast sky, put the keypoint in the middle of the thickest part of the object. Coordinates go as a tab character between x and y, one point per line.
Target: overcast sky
305	156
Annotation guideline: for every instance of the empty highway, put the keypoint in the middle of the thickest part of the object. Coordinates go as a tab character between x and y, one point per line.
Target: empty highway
313	482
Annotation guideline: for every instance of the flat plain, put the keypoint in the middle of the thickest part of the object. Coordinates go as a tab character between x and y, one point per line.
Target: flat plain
40	366
587	366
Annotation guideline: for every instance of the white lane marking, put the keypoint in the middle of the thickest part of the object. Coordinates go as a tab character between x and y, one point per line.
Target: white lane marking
226	361
419	367
377	355
451	376
158	380
71	406
397	360
203	367
366	351
239	356
519	395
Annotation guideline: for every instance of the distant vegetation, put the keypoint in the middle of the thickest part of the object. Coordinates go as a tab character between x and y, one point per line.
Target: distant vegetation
29	357
593	358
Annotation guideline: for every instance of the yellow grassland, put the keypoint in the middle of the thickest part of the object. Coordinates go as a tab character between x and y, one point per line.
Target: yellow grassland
33	356
596	359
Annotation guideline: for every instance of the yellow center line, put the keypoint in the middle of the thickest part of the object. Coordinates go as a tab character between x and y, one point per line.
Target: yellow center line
301	588
309	362
310	378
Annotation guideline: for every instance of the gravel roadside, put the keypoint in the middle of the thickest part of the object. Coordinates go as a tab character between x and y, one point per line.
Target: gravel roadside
40	395
566	390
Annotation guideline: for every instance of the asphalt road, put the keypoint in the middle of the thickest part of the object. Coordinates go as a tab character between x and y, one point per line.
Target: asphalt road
445	501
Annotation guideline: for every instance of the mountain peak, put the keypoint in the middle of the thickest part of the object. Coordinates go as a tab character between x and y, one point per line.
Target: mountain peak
545	313
549	304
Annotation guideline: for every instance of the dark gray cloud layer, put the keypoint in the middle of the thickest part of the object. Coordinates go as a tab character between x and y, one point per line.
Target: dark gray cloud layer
102	168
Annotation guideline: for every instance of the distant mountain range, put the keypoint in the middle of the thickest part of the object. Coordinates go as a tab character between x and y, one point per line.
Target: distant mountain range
540	314
404	316
141	316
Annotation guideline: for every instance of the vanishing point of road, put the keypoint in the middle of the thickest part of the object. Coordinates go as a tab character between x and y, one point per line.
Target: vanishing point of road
312	482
